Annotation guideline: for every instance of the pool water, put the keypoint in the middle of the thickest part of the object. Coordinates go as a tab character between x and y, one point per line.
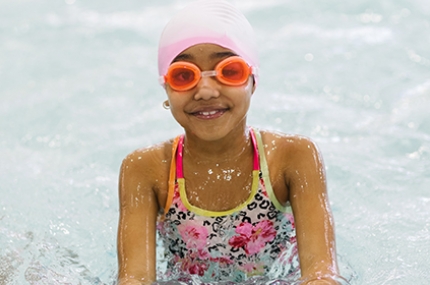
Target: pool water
78	91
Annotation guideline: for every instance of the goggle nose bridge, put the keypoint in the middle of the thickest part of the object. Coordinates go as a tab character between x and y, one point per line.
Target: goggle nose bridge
208	73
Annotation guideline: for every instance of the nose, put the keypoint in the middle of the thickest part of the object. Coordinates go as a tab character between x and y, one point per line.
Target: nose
207	88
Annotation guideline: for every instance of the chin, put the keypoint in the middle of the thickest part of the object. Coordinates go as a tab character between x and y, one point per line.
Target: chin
210	136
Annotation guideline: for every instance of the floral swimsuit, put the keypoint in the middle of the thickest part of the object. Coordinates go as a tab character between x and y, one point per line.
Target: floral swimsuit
255	238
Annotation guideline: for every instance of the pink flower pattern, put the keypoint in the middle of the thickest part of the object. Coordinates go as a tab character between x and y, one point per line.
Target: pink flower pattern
253	238
248	245
176	200
194	266
193	235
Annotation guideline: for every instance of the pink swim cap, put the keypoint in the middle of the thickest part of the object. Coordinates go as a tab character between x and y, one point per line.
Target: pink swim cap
207	21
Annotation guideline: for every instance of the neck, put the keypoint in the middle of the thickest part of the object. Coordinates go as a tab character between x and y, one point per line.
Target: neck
228	148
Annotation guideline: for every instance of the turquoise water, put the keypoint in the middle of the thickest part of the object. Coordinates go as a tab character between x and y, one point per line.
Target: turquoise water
78	90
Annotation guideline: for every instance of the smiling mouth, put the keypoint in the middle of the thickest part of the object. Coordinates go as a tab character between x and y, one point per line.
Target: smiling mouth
213	114
210	113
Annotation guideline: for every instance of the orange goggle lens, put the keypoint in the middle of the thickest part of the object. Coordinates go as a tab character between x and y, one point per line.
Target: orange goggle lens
183	76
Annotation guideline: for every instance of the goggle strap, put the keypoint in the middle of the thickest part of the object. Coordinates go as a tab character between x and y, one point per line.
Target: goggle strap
162	80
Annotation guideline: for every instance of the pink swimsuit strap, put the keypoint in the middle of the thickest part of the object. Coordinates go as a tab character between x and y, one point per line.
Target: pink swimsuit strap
179	155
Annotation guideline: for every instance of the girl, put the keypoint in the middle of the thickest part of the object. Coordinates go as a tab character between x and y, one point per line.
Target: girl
229	201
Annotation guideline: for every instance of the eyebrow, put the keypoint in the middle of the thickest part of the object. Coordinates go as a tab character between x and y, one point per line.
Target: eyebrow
183	56
223	54
216	55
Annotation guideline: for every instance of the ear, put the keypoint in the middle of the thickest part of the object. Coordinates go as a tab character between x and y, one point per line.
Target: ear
254	86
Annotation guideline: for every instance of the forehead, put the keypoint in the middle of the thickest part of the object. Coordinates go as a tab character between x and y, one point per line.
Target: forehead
204	51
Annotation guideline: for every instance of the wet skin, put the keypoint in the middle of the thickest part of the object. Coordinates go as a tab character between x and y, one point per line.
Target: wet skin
217	142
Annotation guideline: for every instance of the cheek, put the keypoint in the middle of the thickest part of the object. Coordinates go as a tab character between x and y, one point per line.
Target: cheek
177	114
177	103
174	98
175	106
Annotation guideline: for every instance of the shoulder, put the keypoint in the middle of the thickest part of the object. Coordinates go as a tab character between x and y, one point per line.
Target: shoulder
148	163
150	154
289	143
289	152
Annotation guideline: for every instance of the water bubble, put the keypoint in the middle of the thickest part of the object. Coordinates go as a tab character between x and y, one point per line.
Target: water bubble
309	57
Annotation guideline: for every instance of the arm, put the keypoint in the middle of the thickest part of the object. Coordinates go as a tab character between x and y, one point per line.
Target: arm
314	223
137	224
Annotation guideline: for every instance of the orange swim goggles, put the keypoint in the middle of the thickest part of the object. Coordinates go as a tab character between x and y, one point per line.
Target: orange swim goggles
183	76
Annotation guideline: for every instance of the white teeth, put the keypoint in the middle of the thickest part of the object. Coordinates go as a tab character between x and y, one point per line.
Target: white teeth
208	113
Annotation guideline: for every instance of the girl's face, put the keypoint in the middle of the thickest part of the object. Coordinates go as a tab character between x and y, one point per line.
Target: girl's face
211	110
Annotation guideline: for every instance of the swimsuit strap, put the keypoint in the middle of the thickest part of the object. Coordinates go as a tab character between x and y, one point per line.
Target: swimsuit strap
172	175
177	170
256	150
179	155
179	158
266	177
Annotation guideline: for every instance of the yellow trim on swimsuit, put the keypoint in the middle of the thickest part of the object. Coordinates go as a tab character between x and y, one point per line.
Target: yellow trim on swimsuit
207	213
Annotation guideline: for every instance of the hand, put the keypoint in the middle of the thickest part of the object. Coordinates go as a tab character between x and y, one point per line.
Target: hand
320	282
325	281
